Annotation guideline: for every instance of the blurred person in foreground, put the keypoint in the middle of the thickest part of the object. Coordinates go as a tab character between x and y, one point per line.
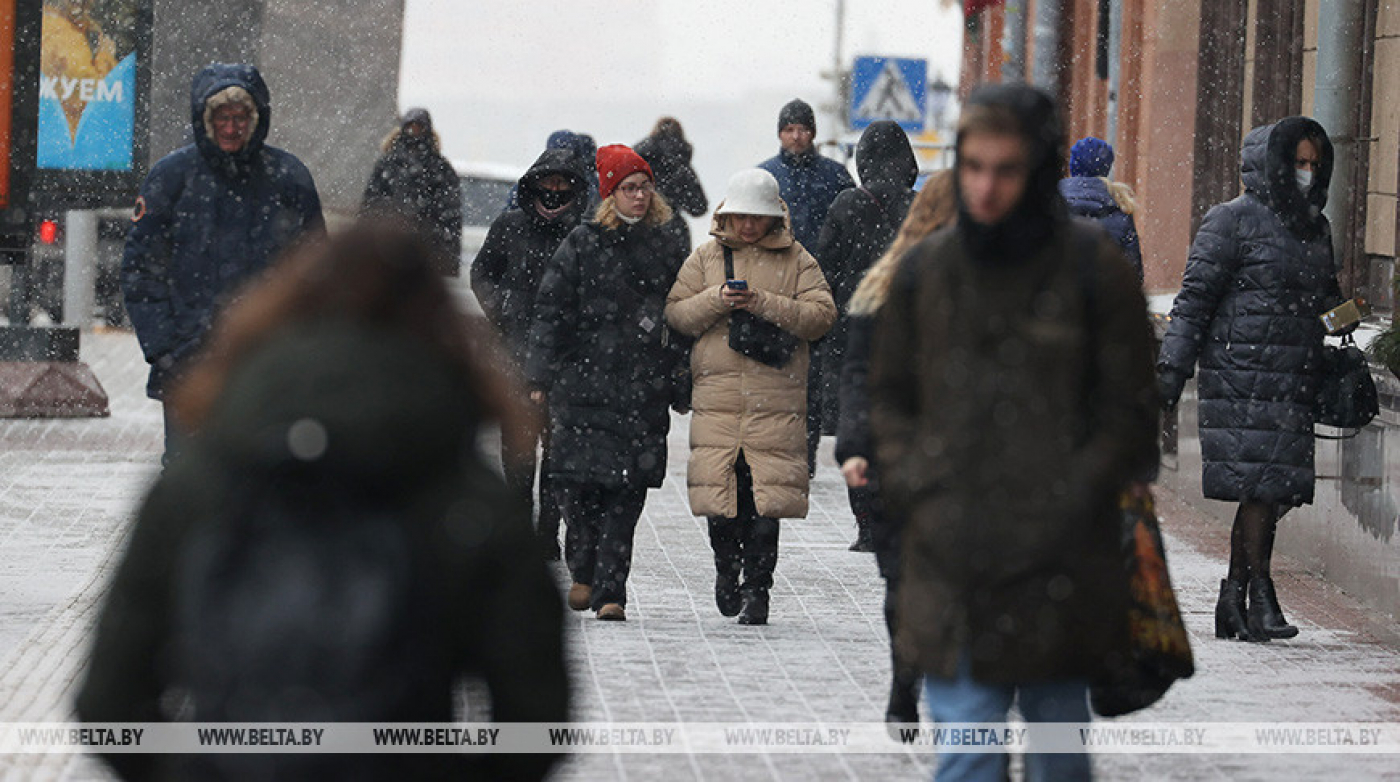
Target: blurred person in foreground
807	183
330	547
1012	402
603	359
932	209
747	455
860	226
413	180
1090	193
506	277
210	216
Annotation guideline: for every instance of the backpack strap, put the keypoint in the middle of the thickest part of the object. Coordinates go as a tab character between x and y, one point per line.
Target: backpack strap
728	262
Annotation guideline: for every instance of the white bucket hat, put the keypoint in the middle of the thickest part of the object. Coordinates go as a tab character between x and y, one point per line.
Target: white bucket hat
752	192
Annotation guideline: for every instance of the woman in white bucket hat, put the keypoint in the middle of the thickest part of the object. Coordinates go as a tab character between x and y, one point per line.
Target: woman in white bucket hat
748	435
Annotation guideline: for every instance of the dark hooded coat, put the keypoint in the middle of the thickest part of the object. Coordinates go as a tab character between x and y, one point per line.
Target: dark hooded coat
1089	197
508	270
859	228
1259	274
1007	416
669	158
205	222
413	180
600	345
400	427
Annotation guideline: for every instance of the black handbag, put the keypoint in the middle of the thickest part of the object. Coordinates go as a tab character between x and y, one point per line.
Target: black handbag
1346	394
761	340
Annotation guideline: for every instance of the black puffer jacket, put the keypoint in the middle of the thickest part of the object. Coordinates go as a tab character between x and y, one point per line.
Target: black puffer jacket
415	181
669	158
510	265
601	346
1259	274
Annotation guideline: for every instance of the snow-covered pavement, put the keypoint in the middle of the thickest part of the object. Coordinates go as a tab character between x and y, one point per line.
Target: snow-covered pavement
67	490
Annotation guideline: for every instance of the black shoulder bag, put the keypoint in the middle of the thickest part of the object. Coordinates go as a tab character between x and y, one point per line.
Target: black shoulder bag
1346	394
759	339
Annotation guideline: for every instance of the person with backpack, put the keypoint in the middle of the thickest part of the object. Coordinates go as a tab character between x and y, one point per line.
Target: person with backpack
753	299
330	546
932	209
1260	273
859	226
604	360
1090	193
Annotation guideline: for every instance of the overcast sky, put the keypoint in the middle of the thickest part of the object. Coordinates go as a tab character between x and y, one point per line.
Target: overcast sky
499	76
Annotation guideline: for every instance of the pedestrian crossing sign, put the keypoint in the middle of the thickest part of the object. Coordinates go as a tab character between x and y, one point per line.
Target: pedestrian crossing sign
889	88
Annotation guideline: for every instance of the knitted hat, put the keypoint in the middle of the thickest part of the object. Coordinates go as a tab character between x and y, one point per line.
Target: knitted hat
797	112
1090	157
616	162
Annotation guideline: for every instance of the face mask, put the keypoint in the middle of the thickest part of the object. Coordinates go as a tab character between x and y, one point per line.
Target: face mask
1304	177
553	199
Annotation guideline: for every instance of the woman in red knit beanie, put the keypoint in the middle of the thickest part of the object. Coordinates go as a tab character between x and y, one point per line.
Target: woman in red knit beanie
601	351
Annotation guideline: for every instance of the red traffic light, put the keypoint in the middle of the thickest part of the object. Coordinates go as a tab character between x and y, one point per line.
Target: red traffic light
48	231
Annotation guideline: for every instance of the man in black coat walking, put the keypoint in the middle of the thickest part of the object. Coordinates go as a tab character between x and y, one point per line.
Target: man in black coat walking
860	225
412	179
553	196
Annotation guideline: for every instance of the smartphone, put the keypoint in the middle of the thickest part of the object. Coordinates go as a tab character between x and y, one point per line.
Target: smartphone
737	285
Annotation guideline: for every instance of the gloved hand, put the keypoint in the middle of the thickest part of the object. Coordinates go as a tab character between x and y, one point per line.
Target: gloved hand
1170	381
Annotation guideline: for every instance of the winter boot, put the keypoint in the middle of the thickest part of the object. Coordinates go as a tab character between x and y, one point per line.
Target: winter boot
864	542
755	608
580	597
904	696
1230	612
760	559
1265	618
728	550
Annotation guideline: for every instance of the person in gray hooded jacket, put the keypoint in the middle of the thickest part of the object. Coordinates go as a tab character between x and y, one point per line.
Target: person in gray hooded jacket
1260	273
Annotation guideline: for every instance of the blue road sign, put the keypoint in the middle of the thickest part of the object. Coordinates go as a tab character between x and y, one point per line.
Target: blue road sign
889	88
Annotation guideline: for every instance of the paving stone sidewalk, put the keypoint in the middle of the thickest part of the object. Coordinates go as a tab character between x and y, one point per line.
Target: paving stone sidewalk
67	490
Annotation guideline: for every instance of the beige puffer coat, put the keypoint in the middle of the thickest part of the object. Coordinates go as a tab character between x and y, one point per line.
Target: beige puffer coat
739	403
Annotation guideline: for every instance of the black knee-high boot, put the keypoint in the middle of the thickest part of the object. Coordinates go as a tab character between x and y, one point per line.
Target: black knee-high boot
726	543
760	559
904	680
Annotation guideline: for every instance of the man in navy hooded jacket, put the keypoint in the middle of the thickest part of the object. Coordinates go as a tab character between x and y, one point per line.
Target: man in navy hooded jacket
210	216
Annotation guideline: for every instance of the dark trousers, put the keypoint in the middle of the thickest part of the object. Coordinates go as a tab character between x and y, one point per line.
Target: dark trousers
598	540
519	469
173	437
746	545
815	353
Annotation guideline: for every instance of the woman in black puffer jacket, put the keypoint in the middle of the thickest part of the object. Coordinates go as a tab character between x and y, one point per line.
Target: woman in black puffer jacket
601	351
1259	275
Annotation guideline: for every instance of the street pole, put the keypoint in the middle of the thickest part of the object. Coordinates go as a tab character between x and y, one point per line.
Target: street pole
1013	41
79	266
1115	66
1045	68
1336	104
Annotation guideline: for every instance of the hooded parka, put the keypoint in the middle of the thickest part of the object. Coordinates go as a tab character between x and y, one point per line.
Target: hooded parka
206	221
859	227
1012	400
510	265
1260	273
600	346
412	179
738	403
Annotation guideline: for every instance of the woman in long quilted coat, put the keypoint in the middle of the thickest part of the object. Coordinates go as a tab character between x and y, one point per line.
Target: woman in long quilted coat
1259	275
748	433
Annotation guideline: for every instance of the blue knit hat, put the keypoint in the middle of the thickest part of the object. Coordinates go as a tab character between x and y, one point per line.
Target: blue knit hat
1090	157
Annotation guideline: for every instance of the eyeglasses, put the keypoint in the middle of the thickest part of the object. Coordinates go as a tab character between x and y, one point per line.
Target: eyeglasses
632	191
238	120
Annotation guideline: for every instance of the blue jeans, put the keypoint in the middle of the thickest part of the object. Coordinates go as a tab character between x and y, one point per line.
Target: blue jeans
964	699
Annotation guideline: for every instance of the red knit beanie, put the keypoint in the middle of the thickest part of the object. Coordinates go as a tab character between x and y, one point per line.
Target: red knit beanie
616	162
